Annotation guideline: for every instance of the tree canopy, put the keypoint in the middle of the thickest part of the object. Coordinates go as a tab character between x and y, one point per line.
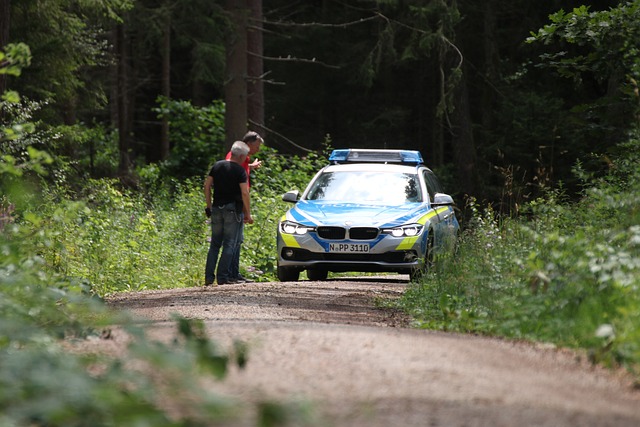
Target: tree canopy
503	93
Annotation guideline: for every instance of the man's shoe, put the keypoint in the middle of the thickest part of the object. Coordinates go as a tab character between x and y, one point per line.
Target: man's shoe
241	279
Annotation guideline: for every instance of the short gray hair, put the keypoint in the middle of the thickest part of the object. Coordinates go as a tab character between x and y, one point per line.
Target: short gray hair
239	148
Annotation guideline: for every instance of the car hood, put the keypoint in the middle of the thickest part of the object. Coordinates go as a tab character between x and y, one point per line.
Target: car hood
313	213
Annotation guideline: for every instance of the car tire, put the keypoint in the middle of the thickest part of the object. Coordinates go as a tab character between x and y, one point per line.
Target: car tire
288	274
317	275
429	260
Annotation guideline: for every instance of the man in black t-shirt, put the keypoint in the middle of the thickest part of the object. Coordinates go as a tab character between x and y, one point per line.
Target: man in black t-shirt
230	199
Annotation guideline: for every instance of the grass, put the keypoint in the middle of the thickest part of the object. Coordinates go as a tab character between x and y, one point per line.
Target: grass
564	272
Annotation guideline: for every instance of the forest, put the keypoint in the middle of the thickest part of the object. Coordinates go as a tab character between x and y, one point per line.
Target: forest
112	112
492	99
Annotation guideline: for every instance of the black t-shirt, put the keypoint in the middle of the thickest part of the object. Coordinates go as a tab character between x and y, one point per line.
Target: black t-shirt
227	177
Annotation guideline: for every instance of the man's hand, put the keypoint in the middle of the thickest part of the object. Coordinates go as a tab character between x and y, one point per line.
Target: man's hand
207	211
256	164
248	219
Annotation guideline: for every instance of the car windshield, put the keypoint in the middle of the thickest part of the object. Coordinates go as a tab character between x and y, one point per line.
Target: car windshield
375	187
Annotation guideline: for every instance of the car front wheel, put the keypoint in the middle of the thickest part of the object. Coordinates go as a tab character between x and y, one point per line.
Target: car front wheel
317	275
288	274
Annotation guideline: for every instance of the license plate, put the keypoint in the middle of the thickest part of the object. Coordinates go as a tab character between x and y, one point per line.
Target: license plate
352	248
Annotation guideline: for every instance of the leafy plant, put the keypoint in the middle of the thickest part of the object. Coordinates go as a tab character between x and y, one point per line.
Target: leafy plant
43	383
567	273
49	307
196	135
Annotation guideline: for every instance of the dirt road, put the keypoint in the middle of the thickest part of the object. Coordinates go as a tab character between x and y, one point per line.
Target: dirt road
326	343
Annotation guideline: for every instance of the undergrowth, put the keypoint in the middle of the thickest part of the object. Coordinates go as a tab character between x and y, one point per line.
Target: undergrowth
122	240
563	272
59	254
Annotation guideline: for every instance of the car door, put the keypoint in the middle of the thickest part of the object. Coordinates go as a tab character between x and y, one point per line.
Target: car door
444	219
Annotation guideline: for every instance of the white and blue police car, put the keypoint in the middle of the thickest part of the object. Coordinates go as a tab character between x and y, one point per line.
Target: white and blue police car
369	210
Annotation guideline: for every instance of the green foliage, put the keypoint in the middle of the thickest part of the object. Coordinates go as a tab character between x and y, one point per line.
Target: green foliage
597	50
563	273
69	43
120	240
86	151
45	379
14	57
42	382
196	135
611	38
278	175
44	312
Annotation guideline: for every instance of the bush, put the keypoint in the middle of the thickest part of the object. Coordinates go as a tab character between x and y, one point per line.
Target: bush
121	240
567	273
196	135
43	311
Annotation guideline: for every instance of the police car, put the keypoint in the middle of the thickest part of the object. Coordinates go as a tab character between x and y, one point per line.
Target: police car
369	210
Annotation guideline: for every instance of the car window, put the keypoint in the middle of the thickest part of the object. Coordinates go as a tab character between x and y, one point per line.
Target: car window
433	185
366	187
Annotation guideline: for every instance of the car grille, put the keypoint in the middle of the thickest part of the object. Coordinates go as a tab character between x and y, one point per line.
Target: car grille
339	233
331	233
363	233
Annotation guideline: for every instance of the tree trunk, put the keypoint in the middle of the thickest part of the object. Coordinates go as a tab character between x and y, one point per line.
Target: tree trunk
492	61
5	21
255	68
462	140
235	88
124	164
166	84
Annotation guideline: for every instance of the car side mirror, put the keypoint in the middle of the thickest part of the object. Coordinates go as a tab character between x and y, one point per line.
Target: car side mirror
291	196
441	199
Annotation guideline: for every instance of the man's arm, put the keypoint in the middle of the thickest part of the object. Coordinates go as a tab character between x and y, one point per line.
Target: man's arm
208	183
246	207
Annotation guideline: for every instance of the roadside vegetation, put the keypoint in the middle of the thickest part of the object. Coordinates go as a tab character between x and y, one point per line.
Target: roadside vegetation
118	239
564	272
63	250
65	243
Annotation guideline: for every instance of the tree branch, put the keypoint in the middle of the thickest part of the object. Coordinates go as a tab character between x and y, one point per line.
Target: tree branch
319	24
263	127
289	58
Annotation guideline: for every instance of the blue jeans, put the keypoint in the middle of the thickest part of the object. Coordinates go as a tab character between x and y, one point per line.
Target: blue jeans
225	222
234	272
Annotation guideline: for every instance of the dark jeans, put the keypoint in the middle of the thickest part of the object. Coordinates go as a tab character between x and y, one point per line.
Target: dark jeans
234	273
225	222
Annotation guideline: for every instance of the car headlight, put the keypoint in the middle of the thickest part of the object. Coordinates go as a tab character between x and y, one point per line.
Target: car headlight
289	227
409	230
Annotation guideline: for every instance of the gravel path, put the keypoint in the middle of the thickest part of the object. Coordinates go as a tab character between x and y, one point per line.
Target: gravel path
326	344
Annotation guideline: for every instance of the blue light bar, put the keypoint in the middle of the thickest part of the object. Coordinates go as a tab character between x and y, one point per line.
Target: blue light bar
411	156
339	156
354	155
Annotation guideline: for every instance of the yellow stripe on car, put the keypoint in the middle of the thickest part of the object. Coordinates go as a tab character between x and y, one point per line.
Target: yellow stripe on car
289	240
408	242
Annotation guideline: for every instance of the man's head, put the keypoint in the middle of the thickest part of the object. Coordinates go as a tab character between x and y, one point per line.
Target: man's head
253	140
239	151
